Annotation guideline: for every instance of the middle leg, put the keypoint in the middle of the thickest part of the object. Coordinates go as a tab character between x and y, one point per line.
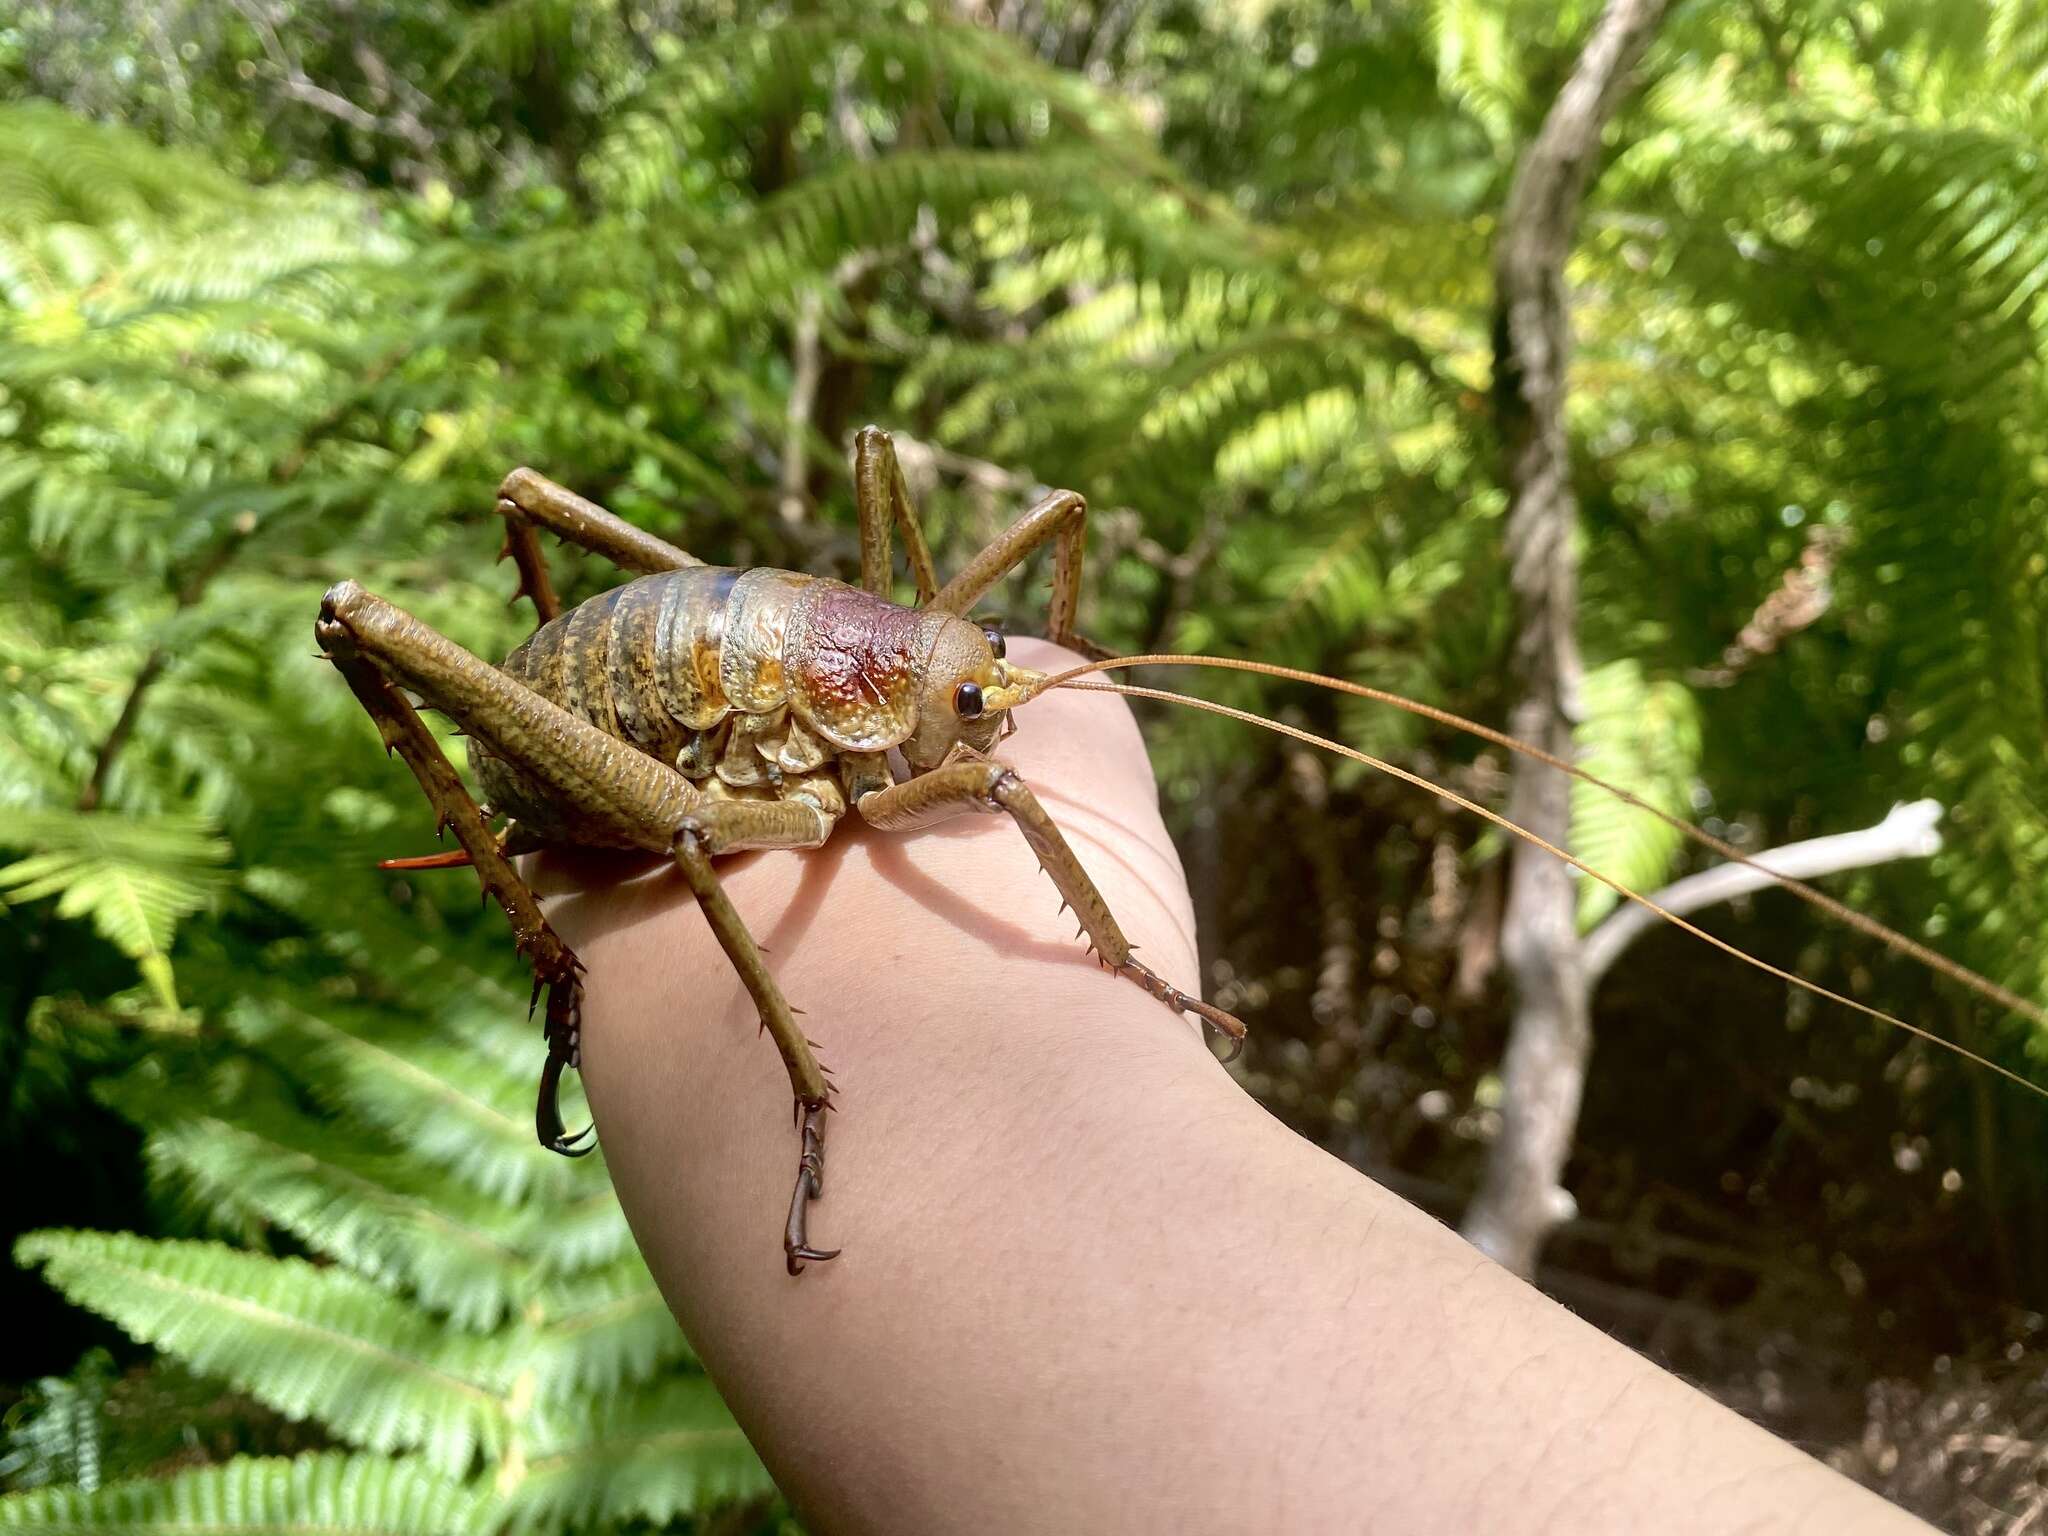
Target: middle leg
529	501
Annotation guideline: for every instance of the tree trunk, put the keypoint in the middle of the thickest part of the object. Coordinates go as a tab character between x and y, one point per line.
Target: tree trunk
1520	1198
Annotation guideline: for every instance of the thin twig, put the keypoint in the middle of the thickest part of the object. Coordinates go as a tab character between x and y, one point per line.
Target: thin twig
300	87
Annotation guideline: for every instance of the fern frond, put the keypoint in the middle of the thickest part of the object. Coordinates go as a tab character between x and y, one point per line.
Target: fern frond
309	1342
57	1434
436	1097
996	93
512	33
327	1494
1643	734
379	1212
874	205
651	1455
603	1331
133	880
58	169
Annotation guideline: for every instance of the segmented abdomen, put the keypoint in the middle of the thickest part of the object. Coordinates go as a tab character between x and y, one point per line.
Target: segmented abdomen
755	678
666	656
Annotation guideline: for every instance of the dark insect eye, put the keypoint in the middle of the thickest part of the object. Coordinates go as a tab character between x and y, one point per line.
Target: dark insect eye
967	701
994	637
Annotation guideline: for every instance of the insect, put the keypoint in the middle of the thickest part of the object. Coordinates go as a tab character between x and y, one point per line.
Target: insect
701	710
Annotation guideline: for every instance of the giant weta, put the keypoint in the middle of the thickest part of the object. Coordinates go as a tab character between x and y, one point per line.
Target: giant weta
700	710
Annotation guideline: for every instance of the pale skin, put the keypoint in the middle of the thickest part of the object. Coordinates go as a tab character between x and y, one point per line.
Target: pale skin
1087	1283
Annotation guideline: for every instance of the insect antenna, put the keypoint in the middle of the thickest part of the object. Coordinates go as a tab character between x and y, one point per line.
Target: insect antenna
1983	985
1841	911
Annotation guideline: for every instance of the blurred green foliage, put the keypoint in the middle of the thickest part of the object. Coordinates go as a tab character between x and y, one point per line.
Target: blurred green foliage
286	286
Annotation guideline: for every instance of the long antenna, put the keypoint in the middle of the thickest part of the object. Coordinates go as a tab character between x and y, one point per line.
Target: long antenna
1071	680
1891	938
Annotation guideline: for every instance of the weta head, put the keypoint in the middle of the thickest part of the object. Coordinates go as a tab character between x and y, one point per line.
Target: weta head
968	687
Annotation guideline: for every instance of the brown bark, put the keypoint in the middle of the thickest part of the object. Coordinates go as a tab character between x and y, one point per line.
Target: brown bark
1520	1198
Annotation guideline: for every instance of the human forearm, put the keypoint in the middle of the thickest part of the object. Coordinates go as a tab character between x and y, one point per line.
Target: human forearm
1087	1284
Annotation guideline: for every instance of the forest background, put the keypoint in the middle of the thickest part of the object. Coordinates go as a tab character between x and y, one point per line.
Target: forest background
286	286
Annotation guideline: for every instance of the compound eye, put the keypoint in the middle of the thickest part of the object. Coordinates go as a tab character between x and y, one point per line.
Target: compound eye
967	701
994	637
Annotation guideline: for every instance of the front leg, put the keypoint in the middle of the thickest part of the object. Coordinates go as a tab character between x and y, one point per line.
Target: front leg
984	785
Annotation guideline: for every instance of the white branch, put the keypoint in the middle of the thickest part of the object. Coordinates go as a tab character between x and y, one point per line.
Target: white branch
1908	832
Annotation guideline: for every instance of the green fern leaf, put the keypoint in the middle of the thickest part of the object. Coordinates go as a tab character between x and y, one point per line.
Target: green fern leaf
134	880
652	1455
1645	736
439	1098
310	1342
600	1332
306	1495
383	1213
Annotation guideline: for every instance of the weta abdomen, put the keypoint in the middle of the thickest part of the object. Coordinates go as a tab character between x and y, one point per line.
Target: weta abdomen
693	668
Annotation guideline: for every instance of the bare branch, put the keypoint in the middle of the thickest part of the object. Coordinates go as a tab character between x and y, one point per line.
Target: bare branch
1908	832
806	368
300	87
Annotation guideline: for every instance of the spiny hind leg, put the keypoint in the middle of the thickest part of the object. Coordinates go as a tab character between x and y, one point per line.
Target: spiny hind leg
982	784
638	801
529	501
619	796
555	966
725	826
882	498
